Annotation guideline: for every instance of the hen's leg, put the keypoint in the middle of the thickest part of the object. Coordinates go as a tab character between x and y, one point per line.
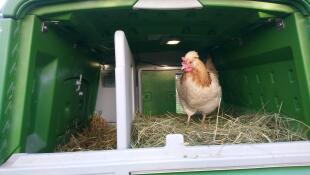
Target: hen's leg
203	120
188	118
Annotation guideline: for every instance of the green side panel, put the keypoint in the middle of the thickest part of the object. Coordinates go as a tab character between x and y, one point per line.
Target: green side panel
300	46
268	69
10	125
39	99
158	92
43	83
52	100
260	171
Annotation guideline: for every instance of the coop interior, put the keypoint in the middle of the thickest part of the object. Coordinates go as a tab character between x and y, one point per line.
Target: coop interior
255	50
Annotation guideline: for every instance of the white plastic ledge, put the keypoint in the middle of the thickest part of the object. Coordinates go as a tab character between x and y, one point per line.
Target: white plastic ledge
167	4
175	157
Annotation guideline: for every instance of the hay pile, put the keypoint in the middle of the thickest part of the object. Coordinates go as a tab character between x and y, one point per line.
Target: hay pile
219	129
98	135
151	131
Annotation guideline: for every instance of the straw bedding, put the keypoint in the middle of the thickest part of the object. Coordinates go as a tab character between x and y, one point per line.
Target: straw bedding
150	131
219	129
98	135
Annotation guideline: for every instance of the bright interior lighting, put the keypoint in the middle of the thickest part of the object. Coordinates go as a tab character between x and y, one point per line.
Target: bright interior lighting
173	42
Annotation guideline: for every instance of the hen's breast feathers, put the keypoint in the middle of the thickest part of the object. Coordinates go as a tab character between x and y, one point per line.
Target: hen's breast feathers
182	92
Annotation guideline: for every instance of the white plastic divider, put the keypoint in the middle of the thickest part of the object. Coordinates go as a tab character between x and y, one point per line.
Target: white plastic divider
125	91
174	157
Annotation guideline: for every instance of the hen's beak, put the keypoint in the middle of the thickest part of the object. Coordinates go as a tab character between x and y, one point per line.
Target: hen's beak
185	65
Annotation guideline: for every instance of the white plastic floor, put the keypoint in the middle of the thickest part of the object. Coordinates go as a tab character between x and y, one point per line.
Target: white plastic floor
174	157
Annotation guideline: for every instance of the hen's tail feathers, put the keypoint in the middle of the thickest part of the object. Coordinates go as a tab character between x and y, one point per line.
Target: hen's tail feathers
210	66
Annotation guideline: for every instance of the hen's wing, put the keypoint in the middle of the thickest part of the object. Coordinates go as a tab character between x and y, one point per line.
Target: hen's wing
210	66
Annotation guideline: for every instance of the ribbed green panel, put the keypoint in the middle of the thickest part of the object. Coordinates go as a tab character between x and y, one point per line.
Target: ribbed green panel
264	85
10	125
266	70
